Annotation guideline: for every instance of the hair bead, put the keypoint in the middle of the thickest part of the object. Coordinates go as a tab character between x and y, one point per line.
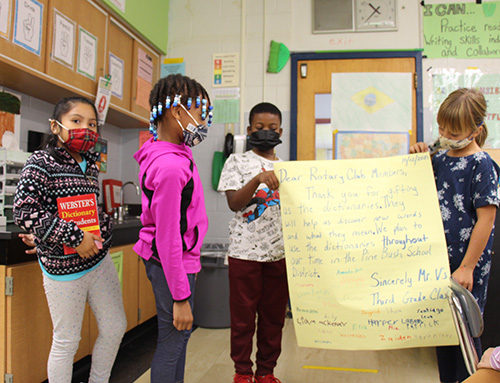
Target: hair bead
203	109
177	100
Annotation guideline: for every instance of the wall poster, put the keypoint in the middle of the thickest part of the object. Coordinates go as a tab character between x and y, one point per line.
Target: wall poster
64	37
367	260
28	25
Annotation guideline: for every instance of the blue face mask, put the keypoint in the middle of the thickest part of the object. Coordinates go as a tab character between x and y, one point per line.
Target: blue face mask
193	134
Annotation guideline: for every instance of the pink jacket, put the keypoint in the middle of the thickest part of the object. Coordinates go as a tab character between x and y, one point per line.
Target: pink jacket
173	215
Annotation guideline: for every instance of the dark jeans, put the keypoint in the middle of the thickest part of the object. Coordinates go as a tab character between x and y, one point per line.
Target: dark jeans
170	356
257	288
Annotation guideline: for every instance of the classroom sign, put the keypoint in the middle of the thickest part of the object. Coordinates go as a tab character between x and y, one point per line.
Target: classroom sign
462	30
366	254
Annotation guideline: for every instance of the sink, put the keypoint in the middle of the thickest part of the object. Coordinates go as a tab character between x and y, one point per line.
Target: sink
127	231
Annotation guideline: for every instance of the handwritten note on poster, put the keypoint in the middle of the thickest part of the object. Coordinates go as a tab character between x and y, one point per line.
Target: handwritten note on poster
366	255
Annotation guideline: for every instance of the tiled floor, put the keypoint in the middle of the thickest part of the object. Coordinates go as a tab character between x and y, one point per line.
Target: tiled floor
208	361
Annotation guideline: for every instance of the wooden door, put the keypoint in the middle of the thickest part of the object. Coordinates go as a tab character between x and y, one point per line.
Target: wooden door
317	80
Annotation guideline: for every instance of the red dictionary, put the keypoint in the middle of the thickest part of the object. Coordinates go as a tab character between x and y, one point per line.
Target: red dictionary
82	210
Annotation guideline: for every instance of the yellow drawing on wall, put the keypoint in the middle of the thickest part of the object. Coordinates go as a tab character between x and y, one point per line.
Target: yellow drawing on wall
366	254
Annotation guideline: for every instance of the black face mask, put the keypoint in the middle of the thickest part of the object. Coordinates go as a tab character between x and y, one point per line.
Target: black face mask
264	139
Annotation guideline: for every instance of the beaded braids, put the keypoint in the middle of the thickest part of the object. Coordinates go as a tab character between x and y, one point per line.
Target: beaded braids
464	110
174	90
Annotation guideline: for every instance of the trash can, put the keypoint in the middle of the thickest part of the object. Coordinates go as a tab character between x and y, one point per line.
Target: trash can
211	295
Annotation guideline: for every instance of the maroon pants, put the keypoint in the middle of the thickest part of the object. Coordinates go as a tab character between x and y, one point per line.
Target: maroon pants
257	288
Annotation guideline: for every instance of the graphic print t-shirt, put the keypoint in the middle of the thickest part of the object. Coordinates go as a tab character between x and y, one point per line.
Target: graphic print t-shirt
255	231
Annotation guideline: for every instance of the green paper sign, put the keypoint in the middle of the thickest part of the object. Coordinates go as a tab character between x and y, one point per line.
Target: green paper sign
462	30
118	261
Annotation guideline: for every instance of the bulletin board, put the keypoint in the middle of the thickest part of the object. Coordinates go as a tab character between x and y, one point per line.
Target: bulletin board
457	68
143	77
460	43
92	20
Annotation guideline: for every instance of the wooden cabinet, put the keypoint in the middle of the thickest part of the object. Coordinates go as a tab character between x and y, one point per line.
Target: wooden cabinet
28	47
119	48
45	74
26	327
90	24
142	82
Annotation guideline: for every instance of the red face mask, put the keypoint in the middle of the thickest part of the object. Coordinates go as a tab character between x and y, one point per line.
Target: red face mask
80	140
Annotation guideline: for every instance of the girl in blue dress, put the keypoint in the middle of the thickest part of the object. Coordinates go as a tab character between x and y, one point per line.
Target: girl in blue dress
467	182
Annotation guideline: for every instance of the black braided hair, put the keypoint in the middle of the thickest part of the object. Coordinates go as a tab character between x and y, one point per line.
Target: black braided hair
63	106
172	85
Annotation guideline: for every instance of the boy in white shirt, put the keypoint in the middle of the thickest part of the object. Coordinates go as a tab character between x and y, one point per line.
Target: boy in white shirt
257	271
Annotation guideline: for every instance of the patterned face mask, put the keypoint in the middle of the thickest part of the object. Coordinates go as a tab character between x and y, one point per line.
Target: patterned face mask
193	134
447	143
80	140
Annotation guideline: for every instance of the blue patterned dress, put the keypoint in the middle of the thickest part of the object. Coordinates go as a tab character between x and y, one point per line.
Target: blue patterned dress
463	185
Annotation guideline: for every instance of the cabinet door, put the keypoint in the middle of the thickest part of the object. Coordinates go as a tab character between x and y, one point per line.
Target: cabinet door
147	304
119	53
89	43
26	48
3	332
143	78
129	289
29	326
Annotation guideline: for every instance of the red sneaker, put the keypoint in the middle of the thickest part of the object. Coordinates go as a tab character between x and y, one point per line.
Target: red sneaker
239	378
270	378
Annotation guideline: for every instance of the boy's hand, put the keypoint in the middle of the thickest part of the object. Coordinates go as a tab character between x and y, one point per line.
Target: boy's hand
270	179
419	147
87	248
183	317
29	239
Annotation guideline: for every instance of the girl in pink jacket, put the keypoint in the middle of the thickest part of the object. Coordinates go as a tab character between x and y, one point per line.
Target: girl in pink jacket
173	214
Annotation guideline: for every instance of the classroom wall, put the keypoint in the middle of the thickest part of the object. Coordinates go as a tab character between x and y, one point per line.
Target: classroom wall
198	28
286	21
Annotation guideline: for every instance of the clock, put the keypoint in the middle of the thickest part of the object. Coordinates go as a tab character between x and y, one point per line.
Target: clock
373	15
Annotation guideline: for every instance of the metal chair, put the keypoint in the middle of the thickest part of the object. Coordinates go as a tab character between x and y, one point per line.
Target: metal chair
468	322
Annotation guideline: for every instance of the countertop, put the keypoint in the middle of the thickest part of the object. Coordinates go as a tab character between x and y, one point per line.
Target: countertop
12	248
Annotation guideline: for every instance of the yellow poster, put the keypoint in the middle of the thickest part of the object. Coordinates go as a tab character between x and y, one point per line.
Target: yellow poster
366	254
